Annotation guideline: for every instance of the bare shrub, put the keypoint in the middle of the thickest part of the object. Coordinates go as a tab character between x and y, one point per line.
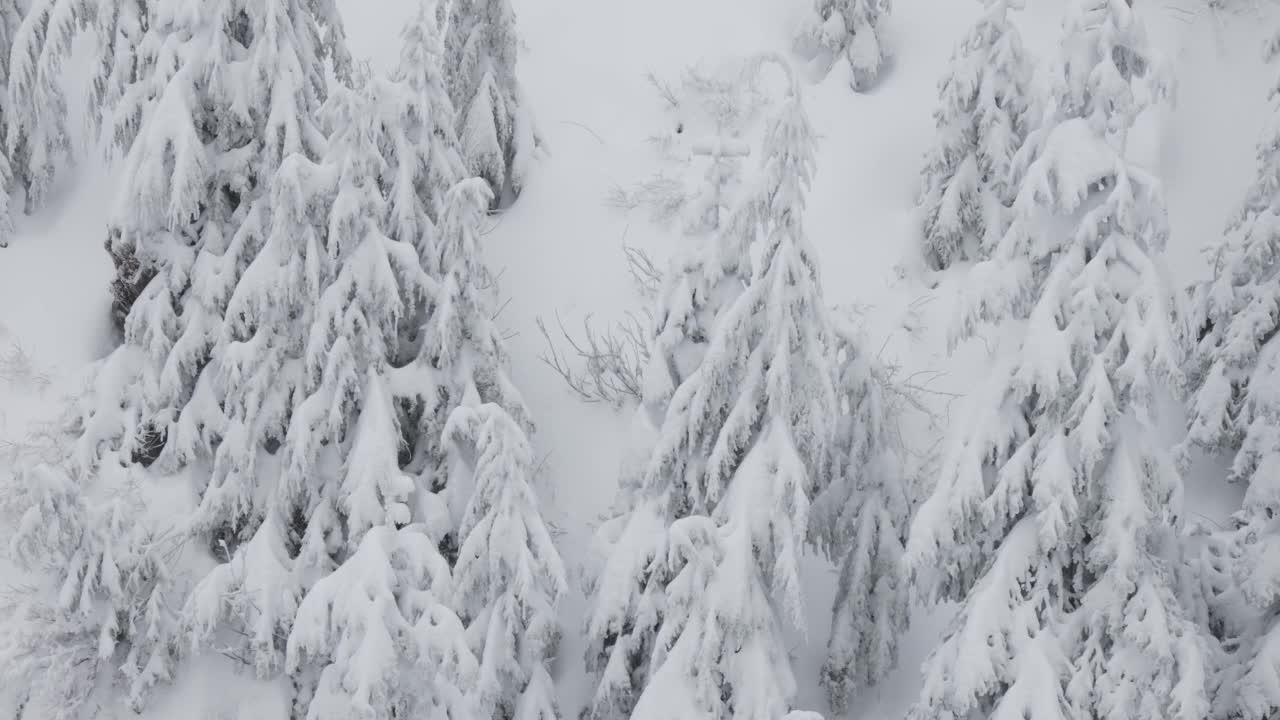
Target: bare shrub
612	360
17	368
644	272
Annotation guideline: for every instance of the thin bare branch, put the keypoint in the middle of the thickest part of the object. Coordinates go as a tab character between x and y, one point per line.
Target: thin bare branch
645	273
613	360
664	90
500	308
584	127
17	368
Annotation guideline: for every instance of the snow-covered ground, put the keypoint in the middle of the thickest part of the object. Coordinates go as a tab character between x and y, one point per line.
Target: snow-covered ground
559	250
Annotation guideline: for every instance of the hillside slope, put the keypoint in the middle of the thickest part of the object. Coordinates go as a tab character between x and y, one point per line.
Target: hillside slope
560	248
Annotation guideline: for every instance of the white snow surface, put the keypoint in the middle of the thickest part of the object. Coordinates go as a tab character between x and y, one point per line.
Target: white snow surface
559	249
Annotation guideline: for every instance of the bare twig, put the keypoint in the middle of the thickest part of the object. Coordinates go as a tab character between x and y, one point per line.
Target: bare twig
232	655
664	197
541	467
497	215
489	279
500	308
584	127
613	360
643	271
1208	520
17	368
619	199
42	444
664	90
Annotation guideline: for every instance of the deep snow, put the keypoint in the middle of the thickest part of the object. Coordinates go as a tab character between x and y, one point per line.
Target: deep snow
559	249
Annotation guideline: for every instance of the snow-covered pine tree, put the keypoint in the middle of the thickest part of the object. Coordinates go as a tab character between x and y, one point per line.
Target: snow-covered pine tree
850	30
36	138
1255	681
1234	409
100	596
422	161
418	140
725	158
225	91
11	12
1056	518
703	570
414	660
704	277
294	488
1231	313
497	133
860	519
699	283
254	137
982	120
508	573
120	31
215	320
629	590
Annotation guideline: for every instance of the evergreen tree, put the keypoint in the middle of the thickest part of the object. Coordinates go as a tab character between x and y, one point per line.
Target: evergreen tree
1056	518
197	93
860	519
699	284
223	94
1235	410
849	30
629	591
367	532
368	285
418	139
395	648
119	30
509	574
703	571
11	12
103	595
36	138
422	162
982	121
387	564
1255	683
494	125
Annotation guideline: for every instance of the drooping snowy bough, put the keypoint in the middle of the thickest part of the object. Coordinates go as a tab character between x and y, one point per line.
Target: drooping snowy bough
849	31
